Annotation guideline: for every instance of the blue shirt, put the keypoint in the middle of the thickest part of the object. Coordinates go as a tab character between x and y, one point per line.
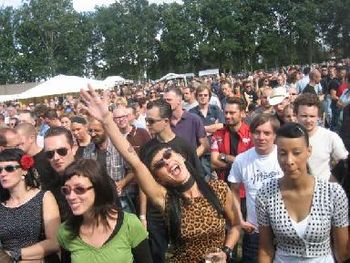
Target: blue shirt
214	115
190	128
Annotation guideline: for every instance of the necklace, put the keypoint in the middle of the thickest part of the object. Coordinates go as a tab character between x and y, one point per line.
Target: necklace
185	186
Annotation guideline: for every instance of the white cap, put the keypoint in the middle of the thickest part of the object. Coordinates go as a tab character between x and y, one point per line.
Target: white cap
277	96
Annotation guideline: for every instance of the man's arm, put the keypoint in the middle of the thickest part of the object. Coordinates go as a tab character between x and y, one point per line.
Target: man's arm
124	182
246	226
203	146
220	160
213	127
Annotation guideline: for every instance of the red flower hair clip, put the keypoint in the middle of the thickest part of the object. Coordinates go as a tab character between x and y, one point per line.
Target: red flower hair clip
26	162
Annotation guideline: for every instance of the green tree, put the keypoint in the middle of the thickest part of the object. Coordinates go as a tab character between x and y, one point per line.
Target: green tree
51	39
7	48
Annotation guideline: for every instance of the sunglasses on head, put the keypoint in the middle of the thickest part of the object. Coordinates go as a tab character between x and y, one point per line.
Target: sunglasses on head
79	190
9	168
161	163
60	151
152	121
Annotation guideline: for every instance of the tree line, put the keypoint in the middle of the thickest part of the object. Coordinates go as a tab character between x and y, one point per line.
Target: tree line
138	40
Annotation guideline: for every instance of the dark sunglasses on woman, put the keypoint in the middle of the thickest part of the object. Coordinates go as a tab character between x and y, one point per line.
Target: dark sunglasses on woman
9	168
79	190
161	163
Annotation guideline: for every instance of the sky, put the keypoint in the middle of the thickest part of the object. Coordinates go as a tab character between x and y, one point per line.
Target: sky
83	5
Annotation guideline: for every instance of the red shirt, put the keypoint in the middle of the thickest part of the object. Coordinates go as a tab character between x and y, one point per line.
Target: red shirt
221	142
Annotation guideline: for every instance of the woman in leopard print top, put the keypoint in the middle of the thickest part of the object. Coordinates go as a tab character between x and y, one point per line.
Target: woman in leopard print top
195	210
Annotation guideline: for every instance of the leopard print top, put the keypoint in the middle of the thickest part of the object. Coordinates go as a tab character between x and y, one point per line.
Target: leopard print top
202	230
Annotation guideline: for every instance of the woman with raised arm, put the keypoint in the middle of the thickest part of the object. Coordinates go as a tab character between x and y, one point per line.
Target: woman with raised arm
29	217
195	210
298	214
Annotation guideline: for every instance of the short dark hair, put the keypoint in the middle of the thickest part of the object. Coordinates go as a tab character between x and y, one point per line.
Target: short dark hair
78	119
56	131
174	89
306	70
40	110
263	118
51	114
31	179
307	99
238	101
105	197
293	130
163	106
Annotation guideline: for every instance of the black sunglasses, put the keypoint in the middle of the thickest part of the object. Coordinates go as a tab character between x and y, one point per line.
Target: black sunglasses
79	190
61	151
9	168
161	163
152	121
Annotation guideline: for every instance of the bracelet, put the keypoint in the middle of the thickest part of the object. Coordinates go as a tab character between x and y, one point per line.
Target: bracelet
228	251
16	254
142	217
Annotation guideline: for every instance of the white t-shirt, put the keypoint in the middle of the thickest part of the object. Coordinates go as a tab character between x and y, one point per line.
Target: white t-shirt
253	170
326	146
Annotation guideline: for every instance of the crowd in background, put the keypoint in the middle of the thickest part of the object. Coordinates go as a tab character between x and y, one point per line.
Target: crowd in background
220	125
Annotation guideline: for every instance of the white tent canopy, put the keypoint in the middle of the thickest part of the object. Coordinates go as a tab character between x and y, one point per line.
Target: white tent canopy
4	98
208	72
171	76
61	84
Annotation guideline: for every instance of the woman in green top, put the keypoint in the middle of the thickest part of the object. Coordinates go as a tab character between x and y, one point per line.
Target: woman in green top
98	231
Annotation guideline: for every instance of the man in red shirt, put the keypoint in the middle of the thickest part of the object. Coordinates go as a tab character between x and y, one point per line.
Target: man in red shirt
232	139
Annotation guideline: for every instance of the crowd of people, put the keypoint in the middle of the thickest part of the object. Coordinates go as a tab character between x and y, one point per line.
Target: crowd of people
181	171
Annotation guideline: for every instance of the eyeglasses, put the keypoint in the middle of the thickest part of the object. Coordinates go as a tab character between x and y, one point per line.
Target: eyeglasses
151	121
161	163
120	117
203	95
79	190
293	94
9	168
60	151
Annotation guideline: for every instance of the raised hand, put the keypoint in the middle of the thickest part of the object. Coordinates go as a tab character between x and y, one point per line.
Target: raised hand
96	106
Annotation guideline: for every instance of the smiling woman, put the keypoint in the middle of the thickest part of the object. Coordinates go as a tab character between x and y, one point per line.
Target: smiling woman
98	231
197	212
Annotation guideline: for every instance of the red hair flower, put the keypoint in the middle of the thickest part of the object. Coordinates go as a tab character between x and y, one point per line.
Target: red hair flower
26	162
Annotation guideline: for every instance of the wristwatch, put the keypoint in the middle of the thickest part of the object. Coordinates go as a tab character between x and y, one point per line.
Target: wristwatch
223	157
228	251
16	255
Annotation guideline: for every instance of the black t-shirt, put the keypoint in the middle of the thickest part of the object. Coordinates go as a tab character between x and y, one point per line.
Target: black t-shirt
309	89
234	143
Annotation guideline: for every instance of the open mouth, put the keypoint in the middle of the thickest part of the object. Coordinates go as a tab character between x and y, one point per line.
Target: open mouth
175	170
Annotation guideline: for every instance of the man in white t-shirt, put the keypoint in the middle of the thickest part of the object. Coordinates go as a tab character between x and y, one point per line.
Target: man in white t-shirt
327	147
253	168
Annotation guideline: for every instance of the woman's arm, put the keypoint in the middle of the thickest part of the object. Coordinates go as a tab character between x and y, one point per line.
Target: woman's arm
231	214
98	108
51	221
341	241
266	250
